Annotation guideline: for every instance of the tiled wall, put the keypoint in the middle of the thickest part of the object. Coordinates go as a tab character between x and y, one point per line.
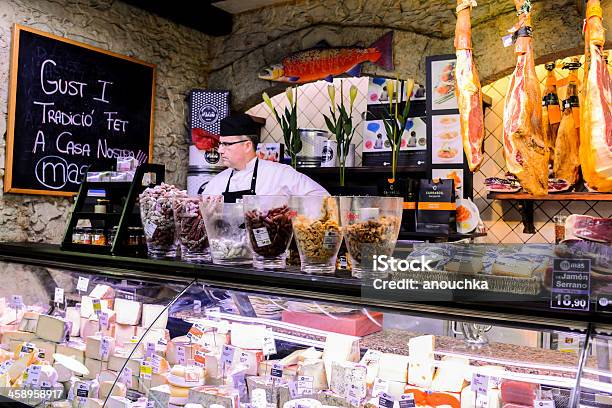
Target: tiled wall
313	101
502	218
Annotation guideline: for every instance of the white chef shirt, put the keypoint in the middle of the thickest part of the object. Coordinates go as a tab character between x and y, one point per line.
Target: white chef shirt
272	179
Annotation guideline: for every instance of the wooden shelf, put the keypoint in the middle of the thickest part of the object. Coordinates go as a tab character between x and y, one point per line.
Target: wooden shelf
570	196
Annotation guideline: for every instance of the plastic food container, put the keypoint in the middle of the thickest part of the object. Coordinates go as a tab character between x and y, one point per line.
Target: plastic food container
226	231
370	226
268	224
157	216
190	230
316	229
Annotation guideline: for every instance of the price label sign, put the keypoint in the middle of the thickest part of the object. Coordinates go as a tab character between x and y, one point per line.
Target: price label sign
277	371
305	385
196	332
480	384
385	401
227	357
269	345
33	375
379	386
104	320
180	352
97	307
146	370
407	401
126	377
197	306
150	403
571	284
16	302
82	284
538	403
199	358
59	296
105	346
239	380
150	349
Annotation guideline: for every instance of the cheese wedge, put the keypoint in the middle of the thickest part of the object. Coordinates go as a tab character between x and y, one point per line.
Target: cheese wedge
248	336
16	335
124	333
63	373
393	367
73	315
128	311
339	348
28	322
94	367
450	375
315	369
106	388
87	308
102	292
53	328
161	395
155	316
118	402
348	375
72	349
117	360
177	347
93	347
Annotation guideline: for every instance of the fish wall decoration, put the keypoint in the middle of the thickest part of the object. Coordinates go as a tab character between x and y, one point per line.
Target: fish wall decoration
325	62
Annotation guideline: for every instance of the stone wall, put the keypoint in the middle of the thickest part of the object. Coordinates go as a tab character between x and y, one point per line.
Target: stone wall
181	56
422	28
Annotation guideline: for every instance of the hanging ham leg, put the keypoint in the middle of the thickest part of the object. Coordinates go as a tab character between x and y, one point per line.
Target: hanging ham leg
551	113
469	94
524	146
566	161
596	109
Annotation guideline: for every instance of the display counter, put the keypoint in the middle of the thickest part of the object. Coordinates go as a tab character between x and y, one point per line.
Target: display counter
167	333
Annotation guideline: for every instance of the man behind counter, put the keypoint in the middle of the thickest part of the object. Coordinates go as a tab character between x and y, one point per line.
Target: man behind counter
247	175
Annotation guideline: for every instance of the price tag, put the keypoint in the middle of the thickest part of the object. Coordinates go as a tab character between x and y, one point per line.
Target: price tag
227	356
277	370
46	385
196	332
103	320
379	386
149	228
59	296
239	381
16	302
538	403
4	367
97	306
126	377
192	375
212	312
262	238
571	284
480	383
244	360
82	284
199	358
150	403
32	375
134	339
352	397
105	346
407	401
180	352
26	349
385	401
269	345
150	349
197	306
82	391
146	371
156	363
305	385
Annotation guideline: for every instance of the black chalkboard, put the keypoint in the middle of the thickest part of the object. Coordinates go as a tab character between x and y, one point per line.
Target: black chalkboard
72	105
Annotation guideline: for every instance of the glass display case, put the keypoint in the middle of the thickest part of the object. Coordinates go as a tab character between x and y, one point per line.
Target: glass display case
111	333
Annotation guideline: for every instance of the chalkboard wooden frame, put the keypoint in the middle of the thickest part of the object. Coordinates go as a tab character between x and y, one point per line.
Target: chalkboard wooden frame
12	101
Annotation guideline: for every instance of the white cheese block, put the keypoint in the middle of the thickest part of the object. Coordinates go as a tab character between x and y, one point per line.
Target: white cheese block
248	336
118	402
151	312
186	376
88	327
161	396
87	308
52	328
88	388
339	348
422	346
128	311
72	349
63	374
263	391
301	355
107	375
226	396
16	335
450	374
179	346
48	375
346	375
315	369
421	372
393	367
213	374
468	398
102	292
46	347
28	322
94	367
155	381
117	360
107	388
178	395
133	349
124	333
395	389
93	403
73	315
93	347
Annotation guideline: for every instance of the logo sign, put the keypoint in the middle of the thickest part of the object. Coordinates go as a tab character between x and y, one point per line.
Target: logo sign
328	153
571	284
209	113
212	156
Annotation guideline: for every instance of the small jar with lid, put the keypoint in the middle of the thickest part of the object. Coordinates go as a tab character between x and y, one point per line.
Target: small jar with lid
101	206
98	237
86	235
559	221
111	235
133	236
77	235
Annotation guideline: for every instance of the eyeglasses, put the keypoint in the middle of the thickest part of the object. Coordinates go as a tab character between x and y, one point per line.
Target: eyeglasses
228	144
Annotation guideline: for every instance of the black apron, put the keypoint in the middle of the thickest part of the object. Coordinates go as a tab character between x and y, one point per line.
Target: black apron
232	196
